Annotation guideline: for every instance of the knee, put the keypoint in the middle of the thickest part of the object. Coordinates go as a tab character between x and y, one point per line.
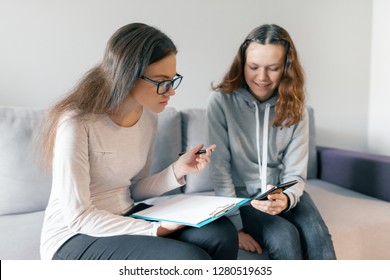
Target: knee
179	250
192	253
315	228
284	244
225	232
222	240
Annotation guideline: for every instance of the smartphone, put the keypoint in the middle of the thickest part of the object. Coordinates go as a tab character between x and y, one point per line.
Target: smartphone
282	187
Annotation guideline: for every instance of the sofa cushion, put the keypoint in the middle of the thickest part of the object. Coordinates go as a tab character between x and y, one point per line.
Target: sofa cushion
194	129
20	236
168	141
312	162
359	224
23	185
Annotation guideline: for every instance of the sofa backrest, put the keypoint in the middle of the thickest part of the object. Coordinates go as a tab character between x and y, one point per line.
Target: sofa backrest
168	140
194	129
312	167
168	143
23	186
362	172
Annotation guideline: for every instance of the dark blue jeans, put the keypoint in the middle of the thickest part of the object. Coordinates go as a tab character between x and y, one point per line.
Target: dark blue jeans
217	240
300	233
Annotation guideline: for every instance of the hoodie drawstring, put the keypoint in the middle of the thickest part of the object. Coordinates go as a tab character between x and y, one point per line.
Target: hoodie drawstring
264	161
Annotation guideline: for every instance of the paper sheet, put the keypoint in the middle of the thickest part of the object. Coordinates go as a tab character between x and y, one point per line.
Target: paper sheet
191	210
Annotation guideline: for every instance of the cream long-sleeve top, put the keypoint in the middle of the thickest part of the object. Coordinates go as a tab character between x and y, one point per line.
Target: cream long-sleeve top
98	168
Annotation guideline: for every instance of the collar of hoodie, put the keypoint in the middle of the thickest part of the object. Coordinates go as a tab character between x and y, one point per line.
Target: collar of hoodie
250	100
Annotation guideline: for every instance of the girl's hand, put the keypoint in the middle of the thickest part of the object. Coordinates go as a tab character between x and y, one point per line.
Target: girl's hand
247	243
190	162
276	203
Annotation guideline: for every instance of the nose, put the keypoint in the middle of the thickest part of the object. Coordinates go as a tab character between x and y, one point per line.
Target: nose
170	91
262	74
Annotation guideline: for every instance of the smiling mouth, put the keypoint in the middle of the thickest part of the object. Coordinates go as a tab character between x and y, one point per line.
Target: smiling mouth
262	85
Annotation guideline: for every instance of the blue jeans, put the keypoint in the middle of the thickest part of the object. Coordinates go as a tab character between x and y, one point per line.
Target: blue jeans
300	233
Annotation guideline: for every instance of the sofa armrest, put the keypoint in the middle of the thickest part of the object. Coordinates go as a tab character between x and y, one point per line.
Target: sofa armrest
359	171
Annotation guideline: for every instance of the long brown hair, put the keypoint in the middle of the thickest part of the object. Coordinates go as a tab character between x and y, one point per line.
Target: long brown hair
104	88
290	103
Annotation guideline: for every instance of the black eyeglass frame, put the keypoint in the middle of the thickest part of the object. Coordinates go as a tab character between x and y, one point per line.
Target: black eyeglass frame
171	83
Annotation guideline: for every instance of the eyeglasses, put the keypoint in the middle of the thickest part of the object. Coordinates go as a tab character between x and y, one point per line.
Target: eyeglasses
163	86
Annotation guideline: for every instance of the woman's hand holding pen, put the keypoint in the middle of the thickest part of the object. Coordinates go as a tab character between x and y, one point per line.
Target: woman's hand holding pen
192	161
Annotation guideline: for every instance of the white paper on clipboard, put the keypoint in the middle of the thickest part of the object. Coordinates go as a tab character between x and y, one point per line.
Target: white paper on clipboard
191	210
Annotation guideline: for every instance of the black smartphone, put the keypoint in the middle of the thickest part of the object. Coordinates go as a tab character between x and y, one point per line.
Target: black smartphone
284	186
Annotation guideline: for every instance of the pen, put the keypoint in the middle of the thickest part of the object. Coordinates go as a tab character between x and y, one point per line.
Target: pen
197	153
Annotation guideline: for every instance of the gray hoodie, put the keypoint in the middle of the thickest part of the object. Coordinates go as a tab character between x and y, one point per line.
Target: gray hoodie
242	165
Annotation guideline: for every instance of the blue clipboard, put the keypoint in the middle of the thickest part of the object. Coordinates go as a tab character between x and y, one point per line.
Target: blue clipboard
191	210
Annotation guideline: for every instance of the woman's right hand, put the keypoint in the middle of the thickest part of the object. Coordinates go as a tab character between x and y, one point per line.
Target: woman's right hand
247	243
166	228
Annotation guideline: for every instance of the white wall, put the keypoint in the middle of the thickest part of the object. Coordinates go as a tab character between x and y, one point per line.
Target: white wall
379	112
47	45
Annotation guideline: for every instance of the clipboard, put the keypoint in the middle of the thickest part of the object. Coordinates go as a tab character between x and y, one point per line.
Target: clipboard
191	210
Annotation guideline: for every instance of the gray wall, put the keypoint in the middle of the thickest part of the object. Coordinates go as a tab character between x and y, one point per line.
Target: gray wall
47	45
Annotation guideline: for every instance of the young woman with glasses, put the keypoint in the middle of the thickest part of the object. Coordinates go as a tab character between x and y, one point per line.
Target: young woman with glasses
97	141
258	120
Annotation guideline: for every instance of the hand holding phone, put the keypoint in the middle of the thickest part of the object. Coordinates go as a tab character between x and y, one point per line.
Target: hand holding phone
284	186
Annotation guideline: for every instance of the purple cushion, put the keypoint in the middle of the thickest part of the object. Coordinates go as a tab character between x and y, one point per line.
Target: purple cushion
362	172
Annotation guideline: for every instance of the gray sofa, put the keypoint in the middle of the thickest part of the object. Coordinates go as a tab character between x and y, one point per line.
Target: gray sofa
350	189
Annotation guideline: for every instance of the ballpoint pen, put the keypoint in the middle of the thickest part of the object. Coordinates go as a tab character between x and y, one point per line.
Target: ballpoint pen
197	153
